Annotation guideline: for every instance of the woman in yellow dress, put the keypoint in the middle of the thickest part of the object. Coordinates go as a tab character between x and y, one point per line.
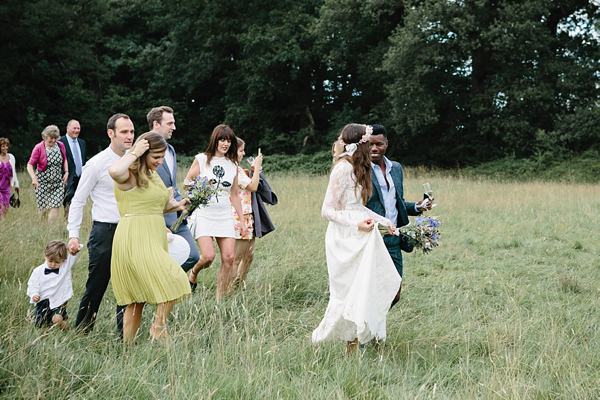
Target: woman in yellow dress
142	271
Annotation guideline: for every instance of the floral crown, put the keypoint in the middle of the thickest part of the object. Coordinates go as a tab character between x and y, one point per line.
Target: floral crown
367	136
351	148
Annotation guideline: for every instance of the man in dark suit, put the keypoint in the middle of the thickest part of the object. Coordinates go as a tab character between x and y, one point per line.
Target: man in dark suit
388	195
162	121
76	154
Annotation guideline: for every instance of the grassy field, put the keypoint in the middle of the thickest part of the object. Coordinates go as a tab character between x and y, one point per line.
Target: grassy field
507	307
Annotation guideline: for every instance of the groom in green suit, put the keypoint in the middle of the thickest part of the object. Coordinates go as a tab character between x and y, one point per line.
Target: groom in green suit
388	195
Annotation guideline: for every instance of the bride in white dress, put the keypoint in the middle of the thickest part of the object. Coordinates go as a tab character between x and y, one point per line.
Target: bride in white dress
362	278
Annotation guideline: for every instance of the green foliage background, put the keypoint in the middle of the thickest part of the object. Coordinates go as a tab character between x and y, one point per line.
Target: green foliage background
457	83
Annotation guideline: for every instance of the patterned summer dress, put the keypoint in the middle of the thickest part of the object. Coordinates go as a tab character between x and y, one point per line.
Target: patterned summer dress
51	191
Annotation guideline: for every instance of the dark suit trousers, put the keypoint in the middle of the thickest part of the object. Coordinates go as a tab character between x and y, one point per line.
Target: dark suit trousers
100	251
70	190
184	232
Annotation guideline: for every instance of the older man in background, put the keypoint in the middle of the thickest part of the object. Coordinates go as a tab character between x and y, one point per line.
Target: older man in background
76	155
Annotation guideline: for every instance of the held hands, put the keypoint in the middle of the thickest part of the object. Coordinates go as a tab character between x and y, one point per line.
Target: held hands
65	176
35	298
426	204
367	225
73	245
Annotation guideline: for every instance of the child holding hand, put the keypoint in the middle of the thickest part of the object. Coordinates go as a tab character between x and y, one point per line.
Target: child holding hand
50	286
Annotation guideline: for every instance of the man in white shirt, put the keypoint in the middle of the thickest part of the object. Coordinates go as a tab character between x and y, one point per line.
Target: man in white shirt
76	153
96	183
162	121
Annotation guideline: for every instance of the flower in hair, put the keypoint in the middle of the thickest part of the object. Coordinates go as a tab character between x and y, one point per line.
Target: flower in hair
367	136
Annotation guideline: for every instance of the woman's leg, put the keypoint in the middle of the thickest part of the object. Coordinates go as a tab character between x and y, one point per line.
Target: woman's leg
52	214
244	266
227	247
132	319
159	326
239	251
207	255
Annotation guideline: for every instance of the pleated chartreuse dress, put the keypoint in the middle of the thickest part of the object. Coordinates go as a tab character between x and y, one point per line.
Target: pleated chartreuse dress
142	271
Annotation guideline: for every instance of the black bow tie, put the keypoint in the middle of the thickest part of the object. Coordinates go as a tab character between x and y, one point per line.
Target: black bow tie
51	271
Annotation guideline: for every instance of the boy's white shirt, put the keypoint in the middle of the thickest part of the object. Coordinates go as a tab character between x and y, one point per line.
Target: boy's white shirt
58	288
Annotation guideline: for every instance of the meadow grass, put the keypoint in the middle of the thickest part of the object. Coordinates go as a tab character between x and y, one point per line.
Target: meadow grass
506	307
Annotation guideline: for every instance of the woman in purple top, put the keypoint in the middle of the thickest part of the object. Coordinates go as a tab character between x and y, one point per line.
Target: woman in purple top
52	171
8	175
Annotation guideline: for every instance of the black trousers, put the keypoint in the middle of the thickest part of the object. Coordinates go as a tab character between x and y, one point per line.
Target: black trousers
70	190
184	232
100	251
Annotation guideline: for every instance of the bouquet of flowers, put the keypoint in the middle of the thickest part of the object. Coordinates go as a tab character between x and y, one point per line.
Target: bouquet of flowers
423	234
199	190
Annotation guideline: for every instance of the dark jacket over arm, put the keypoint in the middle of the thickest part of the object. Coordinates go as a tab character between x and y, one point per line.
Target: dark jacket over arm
264	194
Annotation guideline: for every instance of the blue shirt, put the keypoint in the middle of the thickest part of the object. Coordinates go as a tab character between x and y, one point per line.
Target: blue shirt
389	195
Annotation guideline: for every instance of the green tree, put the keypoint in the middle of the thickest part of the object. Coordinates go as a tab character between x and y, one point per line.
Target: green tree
475	80
50	70
352	39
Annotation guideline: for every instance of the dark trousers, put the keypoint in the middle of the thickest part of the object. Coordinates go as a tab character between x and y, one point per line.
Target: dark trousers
70	190
396	254
184	232
43	313
100	251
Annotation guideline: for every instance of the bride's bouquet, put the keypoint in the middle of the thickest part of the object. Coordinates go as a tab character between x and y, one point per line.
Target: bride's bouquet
199	190
423	234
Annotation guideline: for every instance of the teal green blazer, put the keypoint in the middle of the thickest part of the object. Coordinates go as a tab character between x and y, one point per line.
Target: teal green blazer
405	208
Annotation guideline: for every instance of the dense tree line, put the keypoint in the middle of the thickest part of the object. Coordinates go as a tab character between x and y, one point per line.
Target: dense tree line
455	81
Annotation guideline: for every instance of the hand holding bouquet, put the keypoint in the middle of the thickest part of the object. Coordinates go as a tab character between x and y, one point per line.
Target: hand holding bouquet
199	190
423	234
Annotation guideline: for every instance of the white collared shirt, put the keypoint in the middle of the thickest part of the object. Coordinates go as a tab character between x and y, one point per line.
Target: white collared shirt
57	288
96	183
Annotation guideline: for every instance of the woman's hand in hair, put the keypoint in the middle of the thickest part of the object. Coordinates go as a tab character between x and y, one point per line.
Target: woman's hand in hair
140	147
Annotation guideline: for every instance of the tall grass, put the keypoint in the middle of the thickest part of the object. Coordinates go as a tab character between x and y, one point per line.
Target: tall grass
506	307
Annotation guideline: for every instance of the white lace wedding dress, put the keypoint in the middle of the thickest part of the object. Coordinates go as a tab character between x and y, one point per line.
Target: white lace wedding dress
362	278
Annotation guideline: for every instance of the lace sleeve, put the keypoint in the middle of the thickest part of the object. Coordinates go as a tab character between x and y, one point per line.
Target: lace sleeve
376	217
335	197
